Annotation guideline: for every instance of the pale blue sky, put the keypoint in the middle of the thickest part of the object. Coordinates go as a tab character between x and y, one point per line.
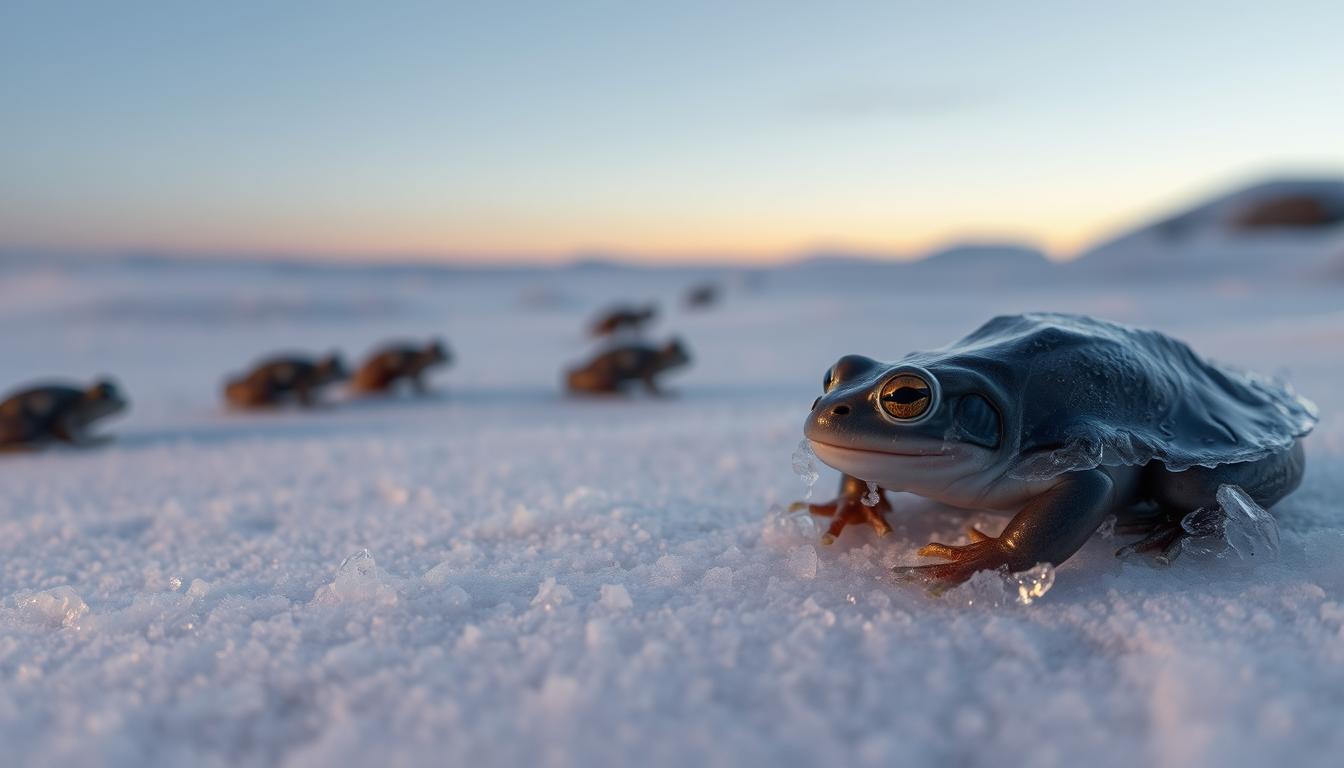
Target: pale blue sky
663	130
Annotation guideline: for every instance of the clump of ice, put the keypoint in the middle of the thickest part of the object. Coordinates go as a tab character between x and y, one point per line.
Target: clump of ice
871	498
56	607
438	576
1107	528
615	597
785	527
1237	527
358	580
551	595
1033	583
668	571
805	466
803	561
457	597
719	578
999	588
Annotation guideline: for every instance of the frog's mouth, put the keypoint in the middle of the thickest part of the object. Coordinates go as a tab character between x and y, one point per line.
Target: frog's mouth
921	465
912	452
876	464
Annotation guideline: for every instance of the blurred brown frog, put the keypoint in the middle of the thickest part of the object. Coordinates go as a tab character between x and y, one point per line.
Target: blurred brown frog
623	318
278	380
57	413
394	363
613	370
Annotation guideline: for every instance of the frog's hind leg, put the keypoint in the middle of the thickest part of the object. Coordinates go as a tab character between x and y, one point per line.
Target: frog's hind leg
1178	494
1162	536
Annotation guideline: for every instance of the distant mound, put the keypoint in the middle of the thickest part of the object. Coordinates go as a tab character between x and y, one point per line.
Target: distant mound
1286	227
995	256
955	266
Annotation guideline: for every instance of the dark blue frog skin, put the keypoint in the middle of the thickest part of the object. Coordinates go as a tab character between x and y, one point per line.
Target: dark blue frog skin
43	415
1060	420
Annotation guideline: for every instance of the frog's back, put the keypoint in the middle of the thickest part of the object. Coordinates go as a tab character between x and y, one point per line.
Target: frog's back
1091	392
29	414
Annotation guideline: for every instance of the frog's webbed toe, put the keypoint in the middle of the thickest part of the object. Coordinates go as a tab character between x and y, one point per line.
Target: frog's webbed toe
984	553
848	508
1049	529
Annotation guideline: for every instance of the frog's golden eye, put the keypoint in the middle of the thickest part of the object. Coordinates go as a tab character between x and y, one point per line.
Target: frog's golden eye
906	397
828	379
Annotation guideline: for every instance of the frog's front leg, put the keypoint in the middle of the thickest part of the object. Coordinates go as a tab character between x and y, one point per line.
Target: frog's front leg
72	434
1048	530
848	508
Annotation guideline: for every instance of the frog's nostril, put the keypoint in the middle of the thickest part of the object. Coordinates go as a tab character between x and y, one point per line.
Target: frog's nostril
840	410
814	404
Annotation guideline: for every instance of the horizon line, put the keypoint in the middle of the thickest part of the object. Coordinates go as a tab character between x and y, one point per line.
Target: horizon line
502	259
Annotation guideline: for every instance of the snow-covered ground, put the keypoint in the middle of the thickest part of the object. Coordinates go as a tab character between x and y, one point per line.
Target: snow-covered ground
558	582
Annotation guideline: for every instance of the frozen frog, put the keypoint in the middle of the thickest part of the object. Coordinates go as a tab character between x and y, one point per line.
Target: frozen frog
57	413
394	363
613	370
1061	420
623	318
287	377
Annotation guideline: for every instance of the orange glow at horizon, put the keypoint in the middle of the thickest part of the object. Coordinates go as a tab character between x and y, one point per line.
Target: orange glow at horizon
754	238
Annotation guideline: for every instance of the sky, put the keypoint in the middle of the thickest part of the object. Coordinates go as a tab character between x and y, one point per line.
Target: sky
658	131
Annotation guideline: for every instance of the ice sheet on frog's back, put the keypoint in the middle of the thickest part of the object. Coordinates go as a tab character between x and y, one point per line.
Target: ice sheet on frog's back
1092	392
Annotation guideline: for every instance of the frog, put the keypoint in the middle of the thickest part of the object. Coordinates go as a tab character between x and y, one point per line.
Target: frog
612	371
45	414
701	296
623	318
394	363
1061	421
285	378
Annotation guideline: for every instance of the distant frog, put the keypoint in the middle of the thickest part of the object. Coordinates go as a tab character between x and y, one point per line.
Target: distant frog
278	380
611	371
1061	420
701	296
623	318
395	363
57	413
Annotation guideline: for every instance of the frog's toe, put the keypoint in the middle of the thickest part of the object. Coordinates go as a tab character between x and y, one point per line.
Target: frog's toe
983	554
1163	543
875	518
824	510
845	512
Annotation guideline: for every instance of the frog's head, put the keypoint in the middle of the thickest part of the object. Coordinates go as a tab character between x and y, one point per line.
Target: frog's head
904	426
101	400
332	368
437	353
673	354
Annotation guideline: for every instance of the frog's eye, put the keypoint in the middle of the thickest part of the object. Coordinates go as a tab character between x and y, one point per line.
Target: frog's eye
828	379
906	397
102	390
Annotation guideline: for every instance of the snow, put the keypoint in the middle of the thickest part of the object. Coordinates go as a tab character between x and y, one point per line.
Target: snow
501	576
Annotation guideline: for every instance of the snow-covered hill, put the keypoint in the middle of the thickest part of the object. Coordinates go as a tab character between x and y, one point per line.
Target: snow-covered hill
1273	229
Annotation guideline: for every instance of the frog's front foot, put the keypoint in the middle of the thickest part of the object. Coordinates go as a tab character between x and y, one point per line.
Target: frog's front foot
855	505
984	553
